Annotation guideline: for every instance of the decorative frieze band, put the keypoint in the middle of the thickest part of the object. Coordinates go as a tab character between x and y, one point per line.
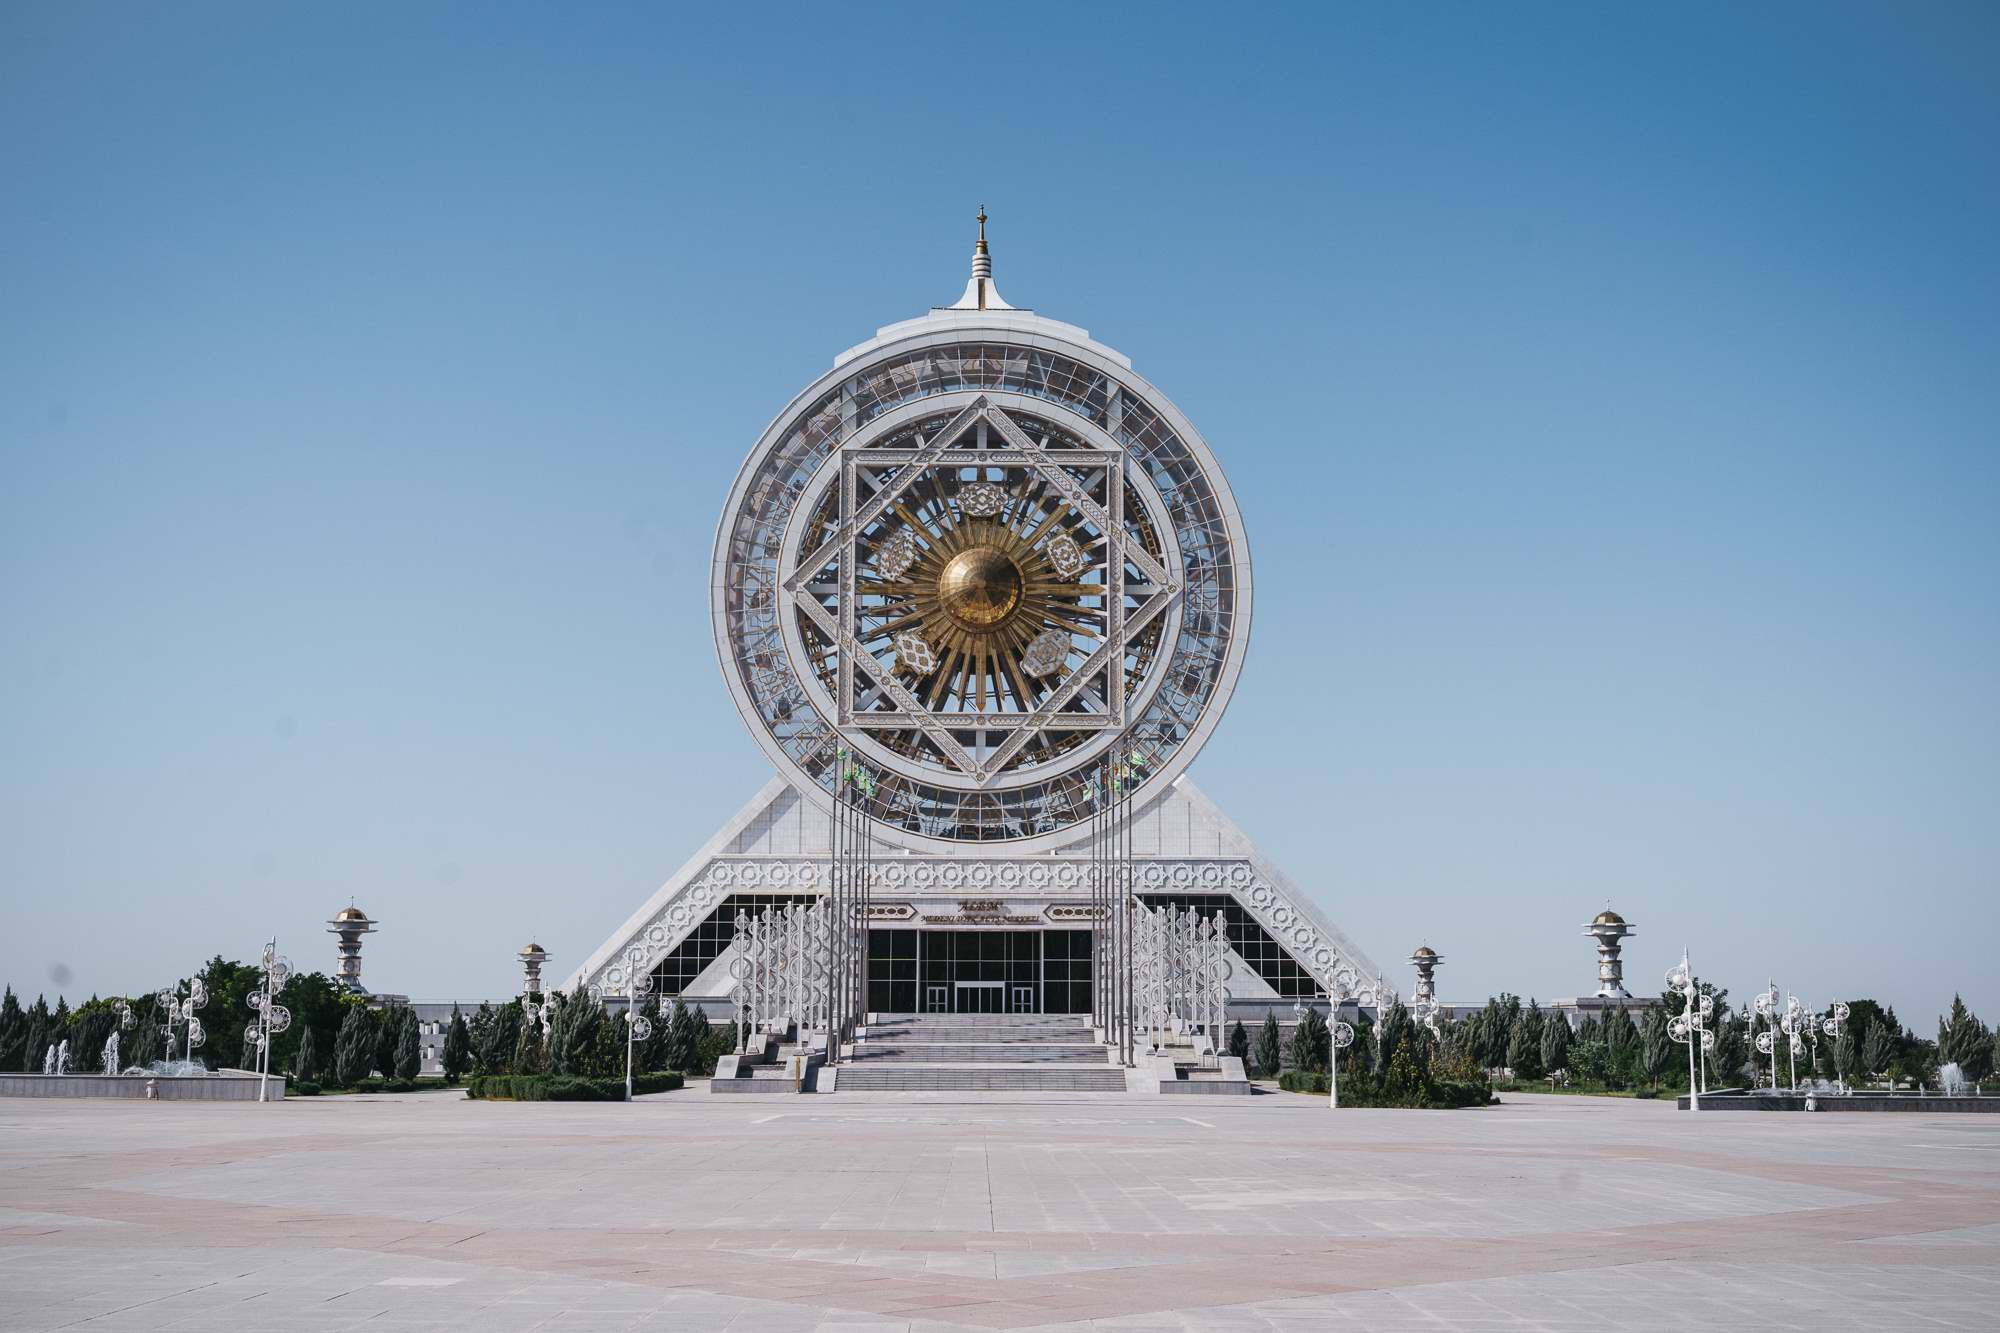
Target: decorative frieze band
1000	876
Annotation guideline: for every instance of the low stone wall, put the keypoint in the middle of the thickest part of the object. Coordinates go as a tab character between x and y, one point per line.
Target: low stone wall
1860	1101
233	1085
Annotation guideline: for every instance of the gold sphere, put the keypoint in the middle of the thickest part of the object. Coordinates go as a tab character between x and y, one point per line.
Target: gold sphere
980	587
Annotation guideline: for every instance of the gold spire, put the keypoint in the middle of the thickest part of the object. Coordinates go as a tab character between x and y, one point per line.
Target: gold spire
982	229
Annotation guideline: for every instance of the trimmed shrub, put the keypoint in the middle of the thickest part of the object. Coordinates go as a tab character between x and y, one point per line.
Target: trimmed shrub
566	1087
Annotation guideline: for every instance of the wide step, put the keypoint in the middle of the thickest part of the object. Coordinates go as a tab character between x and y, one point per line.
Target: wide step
965	1053
909	1078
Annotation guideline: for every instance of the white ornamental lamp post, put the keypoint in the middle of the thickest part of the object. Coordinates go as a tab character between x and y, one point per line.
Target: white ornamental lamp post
1766	1006
1836	1019
635	985
1690	1026
1795	1022
272	1017
176	1009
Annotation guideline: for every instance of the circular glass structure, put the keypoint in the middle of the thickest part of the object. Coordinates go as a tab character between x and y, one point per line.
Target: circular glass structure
977	555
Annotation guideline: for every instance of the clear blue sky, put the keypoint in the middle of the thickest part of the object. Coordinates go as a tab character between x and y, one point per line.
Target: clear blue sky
1611	396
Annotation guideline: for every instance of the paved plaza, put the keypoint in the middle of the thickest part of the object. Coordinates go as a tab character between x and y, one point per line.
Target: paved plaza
684	1211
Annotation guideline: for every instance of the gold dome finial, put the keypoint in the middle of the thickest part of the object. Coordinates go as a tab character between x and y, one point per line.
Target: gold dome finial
982	227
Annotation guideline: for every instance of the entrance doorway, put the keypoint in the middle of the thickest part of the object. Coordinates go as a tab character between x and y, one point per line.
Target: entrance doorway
978	997
979	971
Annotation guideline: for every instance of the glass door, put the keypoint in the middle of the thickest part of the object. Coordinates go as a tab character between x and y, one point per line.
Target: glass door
1024	999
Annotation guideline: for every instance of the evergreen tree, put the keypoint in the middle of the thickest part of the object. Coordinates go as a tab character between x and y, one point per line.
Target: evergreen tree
1403	1085
481	1029
457	1047
531	1050
721	1041
305	1060
388	1036
504	1039
1621	1042
1239	1041
1964	1041
1524	1050
683	1045
573	1038
354	1050
690	1037
1309	1043
409	1055
1555	1044
1656	1048
35	1036
1268	1046
13	1033
1878	1047
148	1044
1394	1030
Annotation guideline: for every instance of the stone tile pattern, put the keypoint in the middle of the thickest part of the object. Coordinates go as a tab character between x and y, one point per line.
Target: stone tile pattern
915	1213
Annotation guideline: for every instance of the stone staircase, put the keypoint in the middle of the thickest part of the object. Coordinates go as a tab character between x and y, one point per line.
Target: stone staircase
977	1053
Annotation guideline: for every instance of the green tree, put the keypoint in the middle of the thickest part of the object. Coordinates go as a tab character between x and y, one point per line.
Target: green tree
148	1042
457	1047
1589	1062
1239	1041
409	1054
1524	1050
683	1044
1964	1041
1269	1046
531	1050
1621	1047
1878	1047
1394	1030
1656	1048
354	1049
503	1040
35	1035
1404	1083
305	1058
1309	1048
227	1012
573	1036
318	1006
1555	1043
388	1036
13	1034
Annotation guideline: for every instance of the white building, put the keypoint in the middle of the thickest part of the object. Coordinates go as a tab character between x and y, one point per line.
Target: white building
974	566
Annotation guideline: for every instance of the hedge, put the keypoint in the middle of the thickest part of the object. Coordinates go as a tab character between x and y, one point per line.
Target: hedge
565	1087
1437	1096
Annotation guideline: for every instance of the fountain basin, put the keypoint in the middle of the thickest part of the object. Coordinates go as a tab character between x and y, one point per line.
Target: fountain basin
223	1085
1937	1103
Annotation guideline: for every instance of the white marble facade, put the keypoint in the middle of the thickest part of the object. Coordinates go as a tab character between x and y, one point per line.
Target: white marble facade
778	843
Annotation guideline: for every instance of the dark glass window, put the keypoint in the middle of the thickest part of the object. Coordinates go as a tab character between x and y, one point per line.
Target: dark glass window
1066	971
677	971
1250	940
892	971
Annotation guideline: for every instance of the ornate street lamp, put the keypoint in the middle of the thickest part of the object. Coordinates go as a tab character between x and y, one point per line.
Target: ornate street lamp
1836	1019
1690	1026
272	1017
176	1009
636	984
1767	1040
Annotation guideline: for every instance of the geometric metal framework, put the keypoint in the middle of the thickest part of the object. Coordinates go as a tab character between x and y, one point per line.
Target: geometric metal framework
978	556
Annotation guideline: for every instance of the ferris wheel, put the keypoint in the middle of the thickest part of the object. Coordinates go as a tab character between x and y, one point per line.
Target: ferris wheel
980	557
